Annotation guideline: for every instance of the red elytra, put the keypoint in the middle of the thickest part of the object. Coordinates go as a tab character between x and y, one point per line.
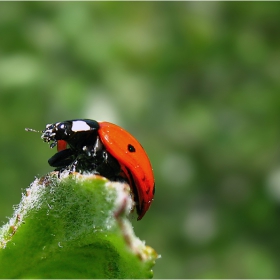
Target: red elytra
133	160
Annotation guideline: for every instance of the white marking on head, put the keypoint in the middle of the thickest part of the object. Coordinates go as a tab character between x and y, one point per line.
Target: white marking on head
80	126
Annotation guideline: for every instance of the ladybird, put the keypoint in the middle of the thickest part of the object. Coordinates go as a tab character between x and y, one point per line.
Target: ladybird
85	145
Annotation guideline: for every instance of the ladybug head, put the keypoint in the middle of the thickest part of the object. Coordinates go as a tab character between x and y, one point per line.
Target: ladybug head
72	131
77	133
57	131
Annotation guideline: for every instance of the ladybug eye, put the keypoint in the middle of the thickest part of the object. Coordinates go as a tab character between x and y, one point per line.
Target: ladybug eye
61	126
131	148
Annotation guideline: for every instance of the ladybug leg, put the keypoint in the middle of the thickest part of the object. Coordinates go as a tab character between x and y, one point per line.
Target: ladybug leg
70	168
73	166
62	158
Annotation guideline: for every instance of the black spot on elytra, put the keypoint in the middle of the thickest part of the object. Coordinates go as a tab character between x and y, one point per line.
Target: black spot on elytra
131	148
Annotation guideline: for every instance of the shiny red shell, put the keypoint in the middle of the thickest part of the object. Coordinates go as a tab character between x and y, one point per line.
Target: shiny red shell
135	165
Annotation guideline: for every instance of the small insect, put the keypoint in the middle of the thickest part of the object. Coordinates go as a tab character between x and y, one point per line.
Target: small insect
103	148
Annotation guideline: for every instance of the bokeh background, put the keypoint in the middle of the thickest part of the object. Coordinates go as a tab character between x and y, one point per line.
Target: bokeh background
196	82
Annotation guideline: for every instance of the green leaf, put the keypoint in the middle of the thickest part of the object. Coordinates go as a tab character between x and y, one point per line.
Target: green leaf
74	226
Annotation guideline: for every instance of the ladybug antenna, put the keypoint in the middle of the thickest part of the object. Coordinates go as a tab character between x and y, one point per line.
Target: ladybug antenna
32	130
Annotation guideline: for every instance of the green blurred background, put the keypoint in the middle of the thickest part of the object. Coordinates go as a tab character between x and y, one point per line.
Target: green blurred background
196	82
